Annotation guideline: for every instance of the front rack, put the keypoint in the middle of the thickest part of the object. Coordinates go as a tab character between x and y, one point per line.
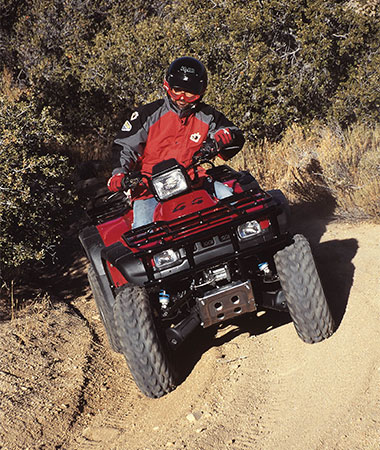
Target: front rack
227	213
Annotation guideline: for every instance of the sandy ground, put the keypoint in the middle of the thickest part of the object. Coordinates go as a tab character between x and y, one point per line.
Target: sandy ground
252	385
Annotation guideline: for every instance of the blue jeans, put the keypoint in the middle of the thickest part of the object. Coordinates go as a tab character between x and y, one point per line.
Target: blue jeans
143	210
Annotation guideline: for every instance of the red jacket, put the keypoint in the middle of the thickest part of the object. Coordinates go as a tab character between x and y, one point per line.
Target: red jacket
159	131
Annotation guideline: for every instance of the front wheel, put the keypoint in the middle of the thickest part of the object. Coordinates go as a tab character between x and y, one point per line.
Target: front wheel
146	356
303	291
105	311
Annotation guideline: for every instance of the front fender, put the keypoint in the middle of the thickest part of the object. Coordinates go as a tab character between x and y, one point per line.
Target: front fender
93	245
121	257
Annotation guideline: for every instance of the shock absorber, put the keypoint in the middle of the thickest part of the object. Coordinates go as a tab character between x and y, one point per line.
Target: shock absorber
164	300
264	267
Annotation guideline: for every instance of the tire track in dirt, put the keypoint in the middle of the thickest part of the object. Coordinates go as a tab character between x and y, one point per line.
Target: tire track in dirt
99	389
145	418
40	376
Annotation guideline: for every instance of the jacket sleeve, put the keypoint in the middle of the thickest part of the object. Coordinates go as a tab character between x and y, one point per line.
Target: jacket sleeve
130	140
220	122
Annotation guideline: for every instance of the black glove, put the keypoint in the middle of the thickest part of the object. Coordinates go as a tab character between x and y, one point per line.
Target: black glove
208	150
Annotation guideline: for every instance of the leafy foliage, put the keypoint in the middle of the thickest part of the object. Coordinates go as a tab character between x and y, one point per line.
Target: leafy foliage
270	63
34	192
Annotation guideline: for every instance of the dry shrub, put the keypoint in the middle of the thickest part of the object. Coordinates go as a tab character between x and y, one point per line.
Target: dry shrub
322	163
10	90
351	169
284	165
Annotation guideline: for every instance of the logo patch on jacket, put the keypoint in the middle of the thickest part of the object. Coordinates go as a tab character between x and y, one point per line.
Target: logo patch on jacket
134	115
127	126
195	137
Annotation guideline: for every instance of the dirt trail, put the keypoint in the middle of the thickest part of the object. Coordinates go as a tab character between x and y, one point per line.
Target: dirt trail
253	385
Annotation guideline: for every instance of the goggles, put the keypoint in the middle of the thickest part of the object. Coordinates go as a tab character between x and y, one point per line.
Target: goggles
179	94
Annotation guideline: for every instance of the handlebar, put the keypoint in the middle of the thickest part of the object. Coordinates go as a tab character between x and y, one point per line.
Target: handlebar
205	154
132	181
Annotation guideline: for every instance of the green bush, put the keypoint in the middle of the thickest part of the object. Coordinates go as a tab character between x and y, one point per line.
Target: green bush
271	63
34	191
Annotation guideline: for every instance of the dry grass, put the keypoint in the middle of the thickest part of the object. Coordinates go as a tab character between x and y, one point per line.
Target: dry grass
322	163
8	87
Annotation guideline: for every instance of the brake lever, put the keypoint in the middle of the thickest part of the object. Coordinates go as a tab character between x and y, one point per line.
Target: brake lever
111	196
129	182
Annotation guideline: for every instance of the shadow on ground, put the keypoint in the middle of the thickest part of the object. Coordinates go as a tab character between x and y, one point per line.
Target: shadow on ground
62	279
334	262
333	258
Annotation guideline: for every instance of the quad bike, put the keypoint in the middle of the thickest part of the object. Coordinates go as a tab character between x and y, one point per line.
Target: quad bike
203	261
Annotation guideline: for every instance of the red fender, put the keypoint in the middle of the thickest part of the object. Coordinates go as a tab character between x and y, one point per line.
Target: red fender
186	204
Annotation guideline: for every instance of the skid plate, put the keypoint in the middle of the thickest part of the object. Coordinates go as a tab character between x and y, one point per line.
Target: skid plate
226	302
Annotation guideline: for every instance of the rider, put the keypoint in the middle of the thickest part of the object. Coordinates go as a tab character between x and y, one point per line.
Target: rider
173	127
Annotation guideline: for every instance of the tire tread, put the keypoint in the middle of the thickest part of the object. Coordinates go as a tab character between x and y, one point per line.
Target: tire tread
106	314
303	291
140	343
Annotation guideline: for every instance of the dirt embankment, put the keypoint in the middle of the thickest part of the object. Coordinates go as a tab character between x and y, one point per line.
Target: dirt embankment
252	385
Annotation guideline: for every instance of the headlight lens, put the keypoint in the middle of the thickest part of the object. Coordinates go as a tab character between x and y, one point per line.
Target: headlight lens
167	258
249	229
169	184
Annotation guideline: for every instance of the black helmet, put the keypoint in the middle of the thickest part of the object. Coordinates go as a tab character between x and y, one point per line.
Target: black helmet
188	74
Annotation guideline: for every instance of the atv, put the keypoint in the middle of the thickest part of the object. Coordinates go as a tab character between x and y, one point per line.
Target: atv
202	262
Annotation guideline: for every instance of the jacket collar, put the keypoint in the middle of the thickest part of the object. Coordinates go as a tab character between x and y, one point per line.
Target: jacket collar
180	112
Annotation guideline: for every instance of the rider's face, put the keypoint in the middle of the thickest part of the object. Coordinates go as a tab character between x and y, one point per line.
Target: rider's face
182	104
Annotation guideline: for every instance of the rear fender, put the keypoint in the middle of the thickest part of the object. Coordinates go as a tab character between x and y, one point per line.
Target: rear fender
237	189
283	218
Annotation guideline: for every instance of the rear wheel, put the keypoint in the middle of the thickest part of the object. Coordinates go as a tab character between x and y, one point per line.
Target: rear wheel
146	355
105	311
303	291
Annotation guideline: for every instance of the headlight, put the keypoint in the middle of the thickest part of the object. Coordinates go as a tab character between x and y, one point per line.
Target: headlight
249	229
169	184
167	258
